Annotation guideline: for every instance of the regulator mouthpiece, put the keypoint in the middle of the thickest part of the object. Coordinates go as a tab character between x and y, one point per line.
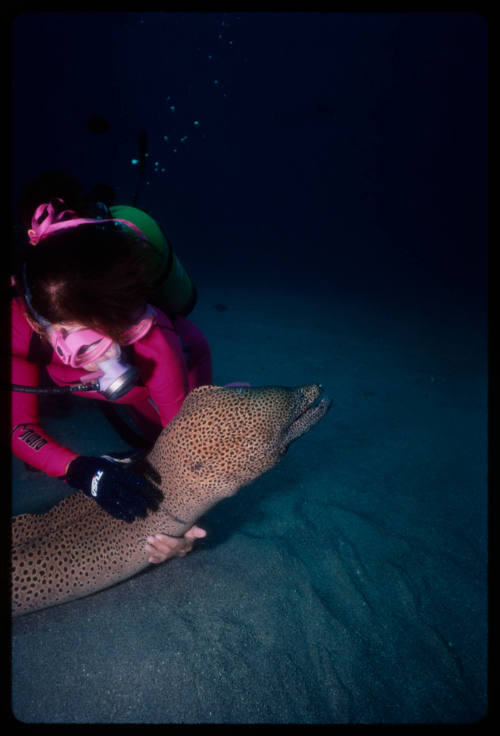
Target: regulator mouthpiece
118	378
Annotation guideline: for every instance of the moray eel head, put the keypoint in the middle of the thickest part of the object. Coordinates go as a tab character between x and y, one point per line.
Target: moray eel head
225	437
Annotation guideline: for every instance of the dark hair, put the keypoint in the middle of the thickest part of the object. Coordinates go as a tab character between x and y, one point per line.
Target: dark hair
96	275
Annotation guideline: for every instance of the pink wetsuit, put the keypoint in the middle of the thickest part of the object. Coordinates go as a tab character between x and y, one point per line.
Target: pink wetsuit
162	366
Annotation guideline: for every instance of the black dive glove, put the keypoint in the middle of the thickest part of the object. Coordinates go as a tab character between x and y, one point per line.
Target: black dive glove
120	492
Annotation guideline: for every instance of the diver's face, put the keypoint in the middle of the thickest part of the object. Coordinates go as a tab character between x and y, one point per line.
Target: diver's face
65	328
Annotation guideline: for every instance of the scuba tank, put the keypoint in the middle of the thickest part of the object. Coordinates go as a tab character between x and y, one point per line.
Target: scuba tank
174	292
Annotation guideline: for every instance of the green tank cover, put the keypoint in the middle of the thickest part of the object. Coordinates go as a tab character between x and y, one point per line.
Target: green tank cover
174	291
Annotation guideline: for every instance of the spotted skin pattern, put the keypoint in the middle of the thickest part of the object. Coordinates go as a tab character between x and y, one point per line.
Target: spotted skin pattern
221	440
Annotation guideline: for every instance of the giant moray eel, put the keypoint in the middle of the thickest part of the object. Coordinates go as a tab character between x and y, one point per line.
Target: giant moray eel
221	440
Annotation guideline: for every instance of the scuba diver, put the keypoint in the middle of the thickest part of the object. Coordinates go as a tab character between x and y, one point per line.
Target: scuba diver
99	309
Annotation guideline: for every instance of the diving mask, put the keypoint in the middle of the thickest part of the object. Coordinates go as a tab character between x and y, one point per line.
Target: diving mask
94	352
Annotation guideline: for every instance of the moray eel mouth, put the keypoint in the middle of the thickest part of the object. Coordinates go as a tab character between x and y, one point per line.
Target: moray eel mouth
308	410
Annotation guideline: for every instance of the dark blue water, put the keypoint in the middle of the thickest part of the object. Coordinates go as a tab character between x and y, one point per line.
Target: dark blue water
324	176
335	127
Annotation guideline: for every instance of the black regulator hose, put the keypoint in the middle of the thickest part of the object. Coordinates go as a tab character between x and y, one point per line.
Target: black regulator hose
88	386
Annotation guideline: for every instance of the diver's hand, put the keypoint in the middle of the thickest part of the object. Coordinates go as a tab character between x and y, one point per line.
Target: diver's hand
120	492
161	547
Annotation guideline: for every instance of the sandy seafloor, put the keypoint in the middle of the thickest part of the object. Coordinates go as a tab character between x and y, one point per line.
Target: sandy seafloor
347	585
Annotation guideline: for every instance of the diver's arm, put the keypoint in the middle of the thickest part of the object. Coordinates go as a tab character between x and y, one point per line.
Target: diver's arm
29	441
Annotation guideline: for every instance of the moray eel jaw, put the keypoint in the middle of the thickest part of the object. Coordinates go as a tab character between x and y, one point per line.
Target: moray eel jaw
309	409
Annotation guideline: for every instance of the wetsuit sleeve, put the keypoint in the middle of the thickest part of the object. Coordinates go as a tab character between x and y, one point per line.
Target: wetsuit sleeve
162	367
29	440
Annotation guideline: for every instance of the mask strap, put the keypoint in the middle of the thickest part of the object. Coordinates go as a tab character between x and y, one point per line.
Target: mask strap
45	216
47	220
